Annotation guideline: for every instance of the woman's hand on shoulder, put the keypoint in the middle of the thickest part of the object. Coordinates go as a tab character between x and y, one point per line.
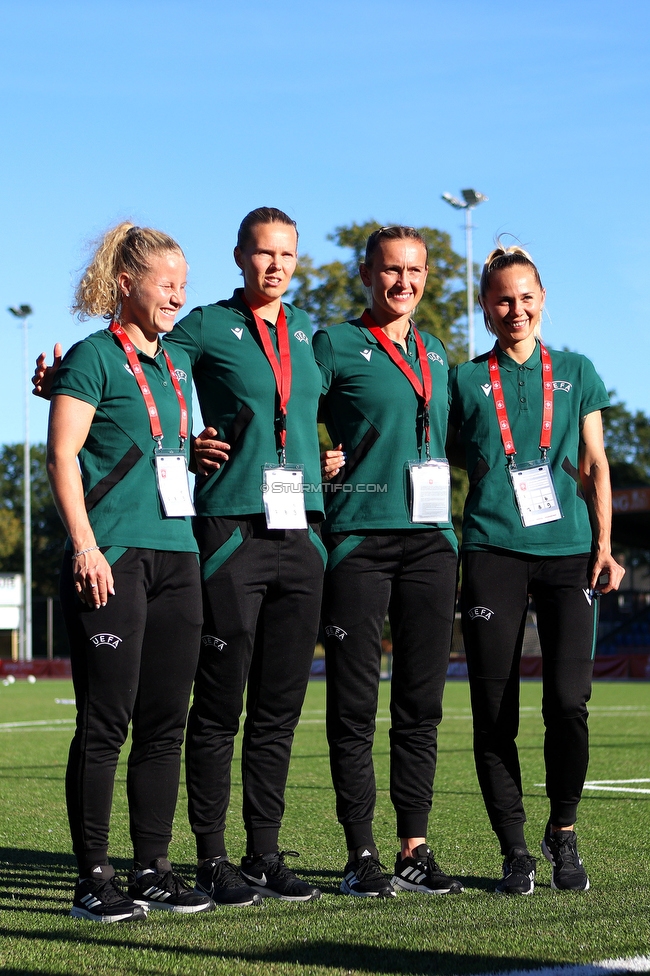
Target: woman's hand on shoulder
331	462
44	375
209	452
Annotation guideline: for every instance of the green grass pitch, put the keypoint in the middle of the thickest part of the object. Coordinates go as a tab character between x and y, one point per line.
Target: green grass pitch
340	936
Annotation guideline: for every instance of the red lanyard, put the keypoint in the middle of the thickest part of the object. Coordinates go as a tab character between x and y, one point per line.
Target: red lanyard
423	389
500	404
150	403
281	367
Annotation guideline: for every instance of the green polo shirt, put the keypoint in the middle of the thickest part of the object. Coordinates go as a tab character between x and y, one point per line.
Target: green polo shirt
237	392
491	517
372	409
117	459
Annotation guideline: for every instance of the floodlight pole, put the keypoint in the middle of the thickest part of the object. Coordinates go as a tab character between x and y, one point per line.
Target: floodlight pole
23	312
470	282
471	199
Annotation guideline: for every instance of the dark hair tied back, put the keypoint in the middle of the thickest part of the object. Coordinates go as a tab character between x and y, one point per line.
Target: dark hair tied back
262	215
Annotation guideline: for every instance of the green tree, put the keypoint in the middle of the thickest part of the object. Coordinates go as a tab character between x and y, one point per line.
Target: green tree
48	534
333	292
627	440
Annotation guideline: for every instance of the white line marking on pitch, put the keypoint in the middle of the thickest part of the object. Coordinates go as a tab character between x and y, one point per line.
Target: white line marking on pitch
613	785
37	723
634	964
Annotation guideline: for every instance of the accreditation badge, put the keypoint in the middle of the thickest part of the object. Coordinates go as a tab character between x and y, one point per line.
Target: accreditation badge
430	483
173	484
535	492
284	499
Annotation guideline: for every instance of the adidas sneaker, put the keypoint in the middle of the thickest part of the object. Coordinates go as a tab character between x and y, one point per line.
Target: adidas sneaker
422	873
159	887
363	875
99	898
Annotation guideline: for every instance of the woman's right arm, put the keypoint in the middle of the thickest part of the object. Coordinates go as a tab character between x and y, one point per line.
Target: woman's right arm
70	421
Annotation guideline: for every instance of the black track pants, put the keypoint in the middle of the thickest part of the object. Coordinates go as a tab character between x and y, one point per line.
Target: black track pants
494	605
262	593
412	576
132	661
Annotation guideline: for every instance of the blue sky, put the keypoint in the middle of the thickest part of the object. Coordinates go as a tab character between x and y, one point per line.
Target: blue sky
187	115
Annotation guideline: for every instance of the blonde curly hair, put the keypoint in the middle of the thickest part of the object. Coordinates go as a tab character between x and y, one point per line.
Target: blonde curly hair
125	248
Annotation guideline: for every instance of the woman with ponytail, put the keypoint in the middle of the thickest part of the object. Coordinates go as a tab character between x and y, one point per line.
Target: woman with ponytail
120	420
537	522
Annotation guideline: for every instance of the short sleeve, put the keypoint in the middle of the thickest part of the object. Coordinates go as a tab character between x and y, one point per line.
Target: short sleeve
188	334
324	355
81	374
594	395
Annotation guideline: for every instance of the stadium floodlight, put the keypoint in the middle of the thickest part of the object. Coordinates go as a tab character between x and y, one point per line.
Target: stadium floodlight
471	199
23	312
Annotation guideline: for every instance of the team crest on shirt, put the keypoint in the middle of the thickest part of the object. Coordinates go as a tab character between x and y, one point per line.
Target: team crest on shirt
180	374
563	385
238	332
99	640
127	368
301	337
483	612
337	632
435	358
487	388
208	640
366	353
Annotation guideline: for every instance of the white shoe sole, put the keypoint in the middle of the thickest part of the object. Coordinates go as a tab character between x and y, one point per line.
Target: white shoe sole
269	893
398	882
347	890
76	912
181	909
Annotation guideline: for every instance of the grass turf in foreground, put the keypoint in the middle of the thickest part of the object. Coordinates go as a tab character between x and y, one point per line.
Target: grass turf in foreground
412	934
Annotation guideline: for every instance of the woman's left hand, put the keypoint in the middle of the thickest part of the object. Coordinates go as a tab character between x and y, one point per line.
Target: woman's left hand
609	571
331	462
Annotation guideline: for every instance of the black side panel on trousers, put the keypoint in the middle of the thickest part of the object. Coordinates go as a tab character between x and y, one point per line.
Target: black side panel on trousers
261	624
121	469
132	661
494	605
412	576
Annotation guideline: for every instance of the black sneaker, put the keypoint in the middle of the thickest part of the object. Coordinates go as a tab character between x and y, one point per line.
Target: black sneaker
159	887
422	873
99	898
518	873
561	849
268	874
220	880
363	875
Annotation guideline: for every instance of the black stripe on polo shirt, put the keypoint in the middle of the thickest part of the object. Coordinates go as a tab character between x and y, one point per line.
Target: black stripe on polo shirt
109	481
356	456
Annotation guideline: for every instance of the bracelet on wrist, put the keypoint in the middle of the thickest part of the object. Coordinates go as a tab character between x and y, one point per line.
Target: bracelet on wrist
82	552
